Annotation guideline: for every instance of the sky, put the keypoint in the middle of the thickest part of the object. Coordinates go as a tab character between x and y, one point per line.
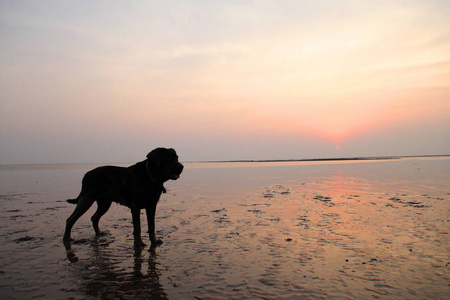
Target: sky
108	81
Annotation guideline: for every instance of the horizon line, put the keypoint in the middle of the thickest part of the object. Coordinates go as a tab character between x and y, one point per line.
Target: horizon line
383	157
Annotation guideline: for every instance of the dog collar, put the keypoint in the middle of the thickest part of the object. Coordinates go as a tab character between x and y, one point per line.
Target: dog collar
152	178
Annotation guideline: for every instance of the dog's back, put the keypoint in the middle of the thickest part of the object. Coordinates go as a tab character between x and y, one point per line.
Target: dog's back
102	182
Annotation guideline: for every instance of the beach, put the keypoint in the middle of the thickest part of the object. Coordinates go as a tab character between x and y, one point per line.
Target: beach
353	229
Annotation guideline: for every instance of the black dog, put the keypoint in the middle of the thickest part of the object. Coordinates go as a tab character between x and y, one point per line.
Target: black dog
137	187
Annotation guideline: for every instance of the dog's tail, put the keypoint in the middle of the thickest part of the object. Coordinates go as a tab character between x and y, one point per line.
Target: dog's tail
73	201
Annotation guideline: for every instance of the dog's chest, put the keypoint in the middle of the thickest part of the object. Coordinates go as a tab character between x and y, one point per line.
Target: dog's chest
147	196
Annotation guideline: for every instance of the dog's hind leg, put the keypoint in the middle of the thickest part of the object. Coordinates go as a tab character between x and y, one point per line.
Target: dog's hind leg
136	215
84	203
103	206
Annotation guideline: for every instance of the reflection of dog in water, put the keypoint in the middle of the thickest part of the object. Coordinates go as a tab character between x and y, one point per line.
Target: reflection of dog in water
137	187
104	279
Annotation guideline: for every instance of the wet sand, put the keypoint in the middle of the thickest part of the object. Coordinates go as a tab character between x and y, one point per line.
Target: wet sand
310	230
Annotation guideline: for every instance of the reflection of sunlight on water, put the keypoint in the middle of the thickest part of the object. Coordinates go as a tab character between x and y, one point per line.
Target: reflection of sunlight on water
339	185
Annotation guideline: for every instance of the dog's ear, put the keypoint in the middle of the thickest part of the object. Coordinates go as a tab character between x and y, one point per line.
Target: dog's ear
174	153
154	157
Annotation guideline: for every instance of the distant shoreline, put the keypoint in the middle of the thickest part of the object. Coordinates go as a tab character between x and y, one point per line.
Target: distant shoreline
236	161
317	159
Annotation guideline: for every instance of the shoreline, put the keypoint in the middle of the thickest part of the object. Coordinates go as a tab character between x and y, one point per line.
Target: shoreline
368	158
319	159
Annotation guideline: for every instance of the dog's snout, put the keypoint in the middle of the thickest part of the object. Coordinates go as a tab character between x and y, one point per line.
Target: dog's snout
179	168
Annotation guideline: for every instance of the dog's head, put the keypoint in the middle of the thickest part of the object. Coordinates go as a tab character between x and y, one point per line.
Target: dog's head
164	165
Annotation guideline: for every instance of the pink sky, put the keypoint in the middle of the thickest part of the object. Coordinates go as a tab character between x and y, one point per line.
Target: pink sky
107	82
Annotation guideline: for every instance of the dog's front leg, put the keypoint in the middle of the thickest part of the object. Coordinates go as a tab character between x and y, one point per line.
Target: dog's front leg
151	225
136	213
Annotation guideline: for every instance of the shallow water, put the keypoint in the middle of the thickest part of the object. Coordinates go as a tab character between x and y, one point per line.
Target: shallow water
345	230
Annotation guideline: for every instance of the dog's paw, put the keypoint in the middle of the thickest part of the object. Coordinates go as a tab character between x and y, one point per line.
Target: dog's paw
157	242
139	244
68	239
102	233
